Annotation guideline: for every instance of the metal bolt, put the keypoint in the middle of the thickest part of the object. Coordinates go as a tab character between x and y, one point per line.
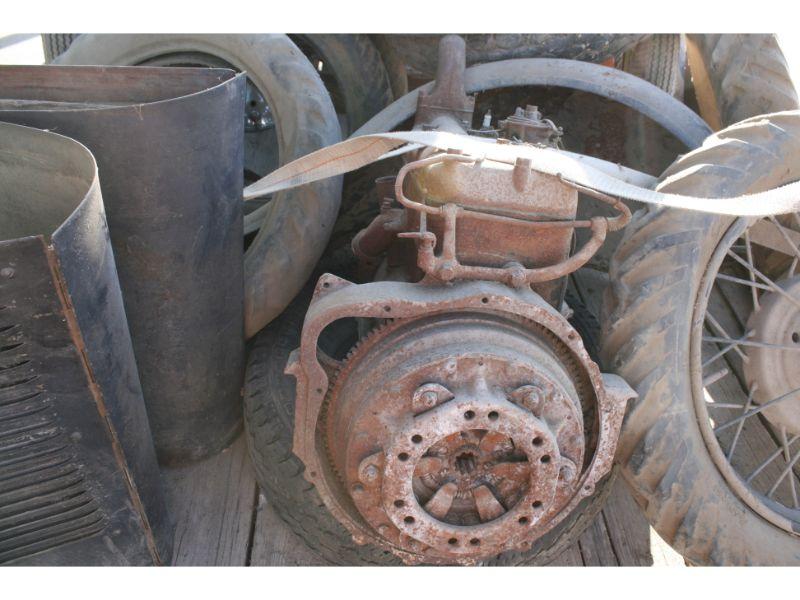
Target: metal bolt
370	474
430	398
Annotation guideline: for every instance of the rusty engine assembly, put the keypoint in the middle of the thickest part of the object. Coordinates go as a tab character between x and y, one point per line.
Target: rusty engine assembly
468	419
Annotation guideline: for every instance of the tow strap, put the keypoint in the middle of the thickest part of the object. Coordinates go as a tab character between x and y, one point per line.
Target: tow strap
590	172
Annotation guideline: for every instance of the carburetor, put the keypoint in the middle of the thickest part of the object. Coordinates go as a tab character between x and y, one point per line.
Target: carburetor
468	419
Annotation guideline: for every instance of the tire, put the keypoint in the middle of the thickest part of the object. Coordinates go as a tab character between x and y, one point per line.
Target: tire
298	222
55	44
269	397
395	67
355	74
737	76
647	318
659	59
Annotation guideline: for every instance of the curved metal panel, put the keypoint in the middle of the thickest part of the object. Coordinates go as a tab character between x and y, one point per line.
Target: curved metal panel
77	462
168	146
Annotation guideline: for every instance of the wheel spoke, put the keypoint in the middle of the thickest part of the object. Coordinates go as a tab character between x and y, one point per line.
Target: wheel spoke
721	331
746	342
785	236
440	503
740	425
749	249
784	473
771	457
752	284
715	377
756	410
773	286
488	506
786	455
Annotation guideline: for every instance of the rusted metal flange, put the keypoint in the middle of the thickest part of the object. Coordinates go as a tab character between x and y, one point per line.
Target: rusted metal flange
450	452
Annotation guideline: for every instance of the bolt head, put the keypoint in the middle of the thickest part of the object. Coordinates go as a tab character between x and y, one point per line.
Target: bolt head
370	474
430	398
7	272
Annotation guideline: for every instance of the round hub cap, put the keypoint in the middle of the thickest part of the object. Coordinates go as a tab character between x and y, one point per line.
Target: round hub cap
773	367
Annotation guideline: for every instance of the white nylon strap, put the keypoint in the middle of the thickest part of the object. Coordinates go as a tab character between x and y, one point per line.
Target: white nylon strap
610	179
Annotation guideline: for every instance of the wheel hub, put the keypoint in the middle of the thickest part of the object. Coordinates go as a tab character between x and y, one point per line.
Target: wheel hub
456	435
772	369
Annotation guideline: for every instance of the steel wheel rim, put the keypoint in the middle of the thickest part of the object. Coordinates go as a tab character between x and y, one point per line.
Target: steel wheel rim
721	418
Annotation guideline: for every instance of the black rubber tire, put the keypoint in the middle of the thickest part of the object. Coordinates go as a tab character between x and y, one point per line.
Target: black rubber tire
296	228
361	81
659	59
269	396
55	44
395	67
648	310
737	76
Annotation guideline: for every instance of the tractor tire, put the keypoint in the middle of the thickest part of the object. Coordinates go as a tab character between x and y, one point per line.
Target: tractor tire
737	76
353	72
659	59
269	397
55	44
297	222
649	309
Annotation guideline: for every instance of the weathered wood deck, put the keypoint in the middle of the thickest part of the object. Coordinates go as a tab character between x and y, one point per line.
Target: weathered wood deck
223	519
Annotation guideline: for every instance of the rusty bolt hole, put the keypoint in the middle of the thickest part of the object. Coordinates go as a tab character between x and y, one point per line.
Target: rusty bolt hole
387	308
408	520
545	459
537	441
399	503
416	438
485	300
327	284
536	504
796	337
452	541
474	542
523	520
469	415
403	456
494	415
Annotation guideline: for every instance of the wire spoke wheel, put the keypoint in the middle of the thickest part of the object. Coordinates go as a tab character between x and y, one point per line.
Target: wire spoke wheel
746	364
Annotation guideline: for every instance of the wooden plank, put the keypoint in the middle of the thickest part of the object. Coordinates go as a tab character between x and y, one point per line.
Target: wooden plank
212	503
635	542
275	544
627	527
571	557
596	547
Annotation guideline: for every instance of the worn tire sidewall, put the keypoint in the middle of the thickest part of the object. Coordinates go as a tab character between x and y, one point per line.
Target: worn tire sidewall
721	515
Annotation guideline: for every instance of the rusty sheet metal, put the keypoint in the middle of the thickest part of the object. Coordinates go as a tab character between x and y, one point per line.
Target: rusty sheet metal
168	145
80	482
406	530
